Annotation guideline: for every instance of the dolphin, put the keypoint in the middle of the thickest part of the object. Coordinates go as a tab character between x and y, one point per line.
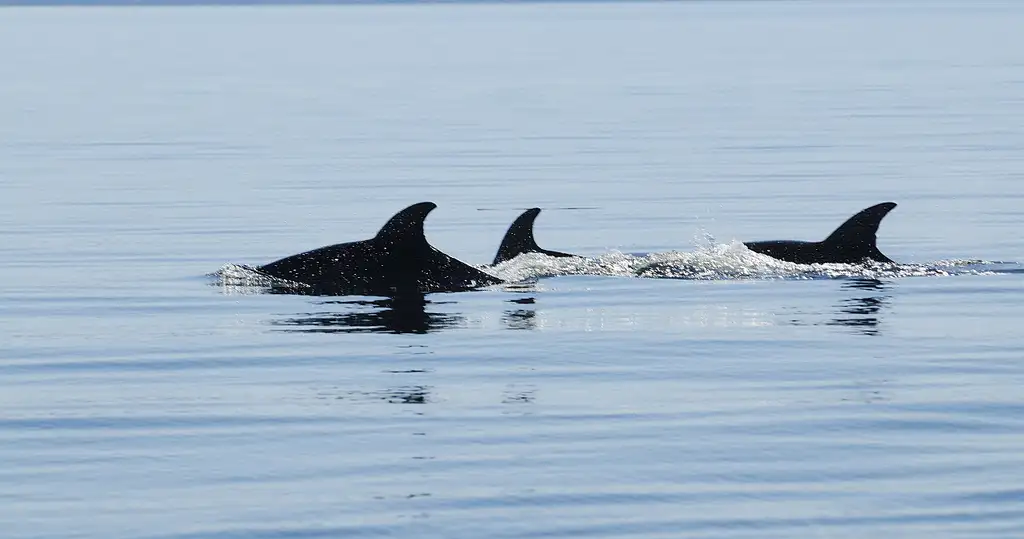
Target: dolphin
397	261
519	239
851	243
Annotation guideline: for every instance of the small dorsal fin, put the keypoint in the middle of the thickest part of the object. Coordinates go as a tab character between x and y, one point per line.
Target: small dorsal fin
519	238
406	224
859	233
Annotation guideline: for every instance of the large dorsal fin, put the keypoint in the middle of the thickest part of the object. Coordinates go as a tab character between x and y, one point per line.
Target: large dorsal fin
406	225
519	239
859	233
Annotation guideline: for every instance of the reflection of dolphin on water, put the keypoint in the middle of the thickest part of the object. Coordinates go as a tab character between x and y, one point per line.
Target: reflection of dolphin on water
401	314
863	312
398	260
522	318
519	239
851	243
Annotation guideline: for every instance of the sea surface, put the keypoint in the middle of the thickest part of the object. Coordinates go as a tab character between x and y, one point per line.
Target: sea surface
670	384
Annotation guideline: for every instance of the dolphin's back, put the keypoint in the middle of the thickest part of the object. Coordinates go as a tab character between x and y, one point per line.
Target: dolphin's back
398	260
353	265
851	243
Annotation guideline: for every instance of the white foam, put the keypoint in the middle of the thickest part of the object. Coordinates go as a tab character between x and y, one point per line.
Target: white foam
718	262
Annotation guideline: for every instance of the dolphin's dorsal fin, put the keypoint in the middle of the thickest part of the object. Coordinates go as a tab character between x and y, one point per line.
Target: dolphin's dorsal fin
859	233
406	225
519	238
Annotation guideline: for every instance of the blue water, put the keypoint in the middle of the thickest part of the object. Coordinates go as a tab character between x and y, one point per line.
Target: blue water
672	384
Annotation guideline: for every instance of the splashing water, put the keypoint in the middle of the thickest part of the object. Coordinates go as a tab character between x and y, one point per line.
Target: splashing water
728	262
242	279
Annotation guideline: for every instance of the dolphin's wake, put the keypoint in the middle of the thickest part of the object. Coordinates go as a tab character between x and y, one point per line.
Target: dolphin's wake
242	279
731	261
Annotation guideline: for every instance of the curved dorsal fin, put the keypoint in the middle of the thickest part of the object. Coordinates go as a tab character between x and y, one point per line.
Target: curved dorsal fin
858	233
406	224
519	238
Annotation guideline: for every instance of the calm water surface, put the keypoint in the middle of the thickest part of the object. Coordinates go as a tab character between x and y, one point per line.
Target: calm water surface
673	384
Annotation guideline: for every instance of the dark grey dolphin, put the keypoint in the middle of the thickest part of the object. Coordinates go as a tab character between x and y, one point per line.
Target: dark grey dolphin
519	239
851	243
397	261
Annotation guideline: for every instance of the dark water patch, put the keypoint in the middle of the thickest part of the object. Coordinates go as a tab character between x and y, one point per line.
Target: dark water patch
413	394
398	315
